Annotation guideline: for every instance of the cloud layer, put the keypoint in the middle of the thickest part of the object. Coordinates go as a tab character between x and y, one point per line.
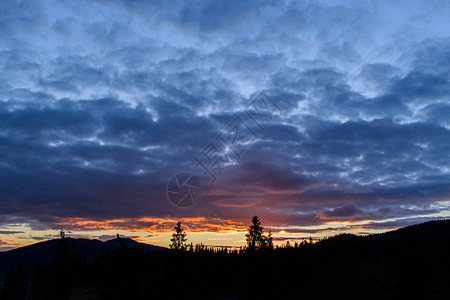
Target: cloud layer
102	102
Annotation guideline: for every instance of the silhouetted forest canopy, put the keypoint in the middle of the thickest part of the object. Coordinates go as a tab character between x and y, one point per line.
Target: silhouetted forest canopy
411	262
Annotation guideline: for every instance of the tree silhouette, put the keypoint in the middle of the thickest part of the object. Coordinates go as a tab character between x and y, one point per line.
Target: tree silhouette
269	240
178	238
62	268
121	242
255	237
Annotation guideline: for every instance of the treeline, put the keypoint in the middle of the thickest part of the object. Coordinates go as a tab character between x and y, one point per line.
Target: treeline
197	272
340	267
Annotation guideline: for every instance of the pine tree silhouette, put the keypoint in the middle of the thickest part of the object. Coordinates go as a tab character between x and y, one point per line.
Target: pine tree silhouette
178	238
255	238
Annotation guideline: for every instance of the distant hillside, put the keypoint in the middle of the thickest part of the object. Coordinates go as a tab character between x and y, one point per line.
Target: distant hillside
428	231
43	252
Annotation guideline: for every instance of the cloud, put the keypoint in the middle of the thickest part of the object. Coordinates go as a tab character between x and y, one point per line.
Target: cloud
344	212
237	202
102	102
10	232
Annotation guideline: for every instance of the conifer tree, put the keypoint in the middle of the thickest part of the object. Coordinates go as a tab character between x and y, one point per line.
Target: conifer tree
255	238
178	238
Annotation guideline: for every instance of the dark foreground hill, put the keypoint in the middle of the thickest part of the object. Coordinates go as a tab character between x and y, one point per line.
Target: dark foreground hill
43	253
409	263
428	232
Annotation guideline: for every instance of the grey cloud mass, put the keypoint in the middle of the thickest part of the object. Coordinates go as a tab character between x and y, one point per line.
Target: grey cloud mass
102	102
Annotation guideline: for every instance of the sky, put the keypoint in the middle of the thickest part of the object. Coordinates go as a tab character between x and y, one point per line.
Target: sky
320	117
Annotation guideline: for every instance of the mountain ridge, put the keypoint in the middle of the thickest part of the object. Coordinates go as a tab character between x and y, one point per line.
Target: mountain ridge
43	252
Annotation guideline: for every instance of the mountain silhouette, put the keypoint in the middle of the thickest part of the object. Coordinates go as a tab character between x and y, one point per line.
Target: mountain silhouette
408	263
430	231
42	253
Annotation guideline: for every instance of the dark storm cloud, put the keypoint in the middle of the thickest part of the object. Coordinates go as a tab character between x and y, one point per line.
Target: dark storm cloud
346	212
101	103
270	176
354	213
86	155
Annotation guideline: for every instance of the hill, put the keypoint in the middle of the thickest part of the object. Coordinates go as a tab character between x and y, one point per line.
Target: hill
42	253
427	232
408	263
